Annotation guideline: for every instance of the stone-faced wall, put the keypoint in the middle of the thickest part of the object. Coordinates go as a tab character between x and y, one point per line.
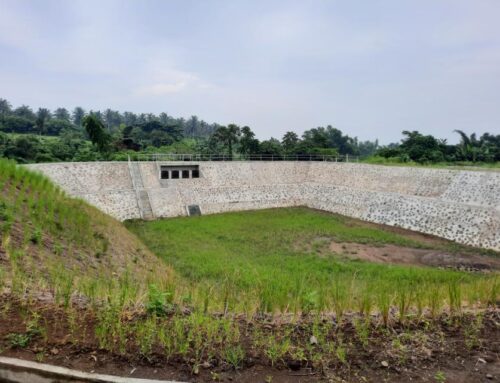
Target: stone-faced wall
106	185
459	205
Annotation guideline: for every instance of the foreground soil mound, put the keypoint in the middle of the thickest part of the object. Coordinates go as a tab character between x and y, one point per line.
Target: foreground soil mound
455	347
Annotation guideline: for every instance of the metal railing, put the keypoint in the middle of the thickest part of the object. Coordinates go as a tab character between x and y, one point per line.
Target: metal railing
239	157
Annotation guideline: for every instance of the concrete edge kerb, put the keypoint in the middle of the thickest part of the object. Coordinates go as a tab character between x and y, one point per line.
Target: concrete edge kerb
18	370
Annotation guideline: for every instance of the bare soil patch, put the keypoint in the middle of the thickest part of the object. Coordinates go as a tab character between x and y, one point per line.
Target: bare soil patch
409	256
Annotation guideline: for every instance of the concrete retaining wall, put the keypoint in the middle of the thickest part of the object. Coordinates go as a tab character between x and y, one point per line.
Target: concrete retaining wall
463	206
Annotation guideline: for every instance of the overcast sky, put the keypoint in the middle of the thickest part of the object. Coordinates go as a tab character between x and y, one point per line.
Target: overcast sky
370	68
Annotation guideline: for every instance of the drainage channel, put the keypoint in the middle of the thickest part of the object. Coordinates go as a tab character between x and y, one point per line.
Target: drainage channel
22	371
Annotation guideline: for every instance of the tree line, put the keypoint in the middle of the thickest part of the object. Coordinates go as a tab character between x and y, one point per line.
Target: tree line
426	149
60	135
24	119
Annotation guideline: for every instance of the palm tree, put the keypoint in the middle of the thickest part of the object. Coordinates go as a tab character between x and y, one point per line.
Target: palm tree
469	146
227	136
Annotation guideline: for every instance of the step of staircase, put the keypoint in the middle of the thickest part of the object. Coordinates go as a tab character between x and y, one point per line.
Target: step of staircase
135	172
142	194
147	211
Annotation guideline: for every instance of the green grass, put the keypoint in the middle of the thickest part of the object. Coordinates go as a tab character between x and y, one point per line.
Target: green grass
275	260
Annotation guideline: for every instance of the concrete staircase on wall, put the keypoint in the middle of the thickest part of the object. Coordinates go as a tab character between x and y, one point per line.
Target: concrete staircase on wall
145	205
142	194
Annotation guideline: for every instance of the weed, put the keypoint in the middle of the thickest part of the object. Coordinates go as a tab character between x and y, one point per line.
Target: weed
234	356
19	340
440	377
146	336
36	236
362	327
472	332
157	301
455	296
275	349
341	352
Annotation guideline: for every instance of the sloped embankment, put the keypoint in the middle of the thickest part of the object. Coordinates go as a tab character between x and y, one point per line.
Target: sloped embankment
46	236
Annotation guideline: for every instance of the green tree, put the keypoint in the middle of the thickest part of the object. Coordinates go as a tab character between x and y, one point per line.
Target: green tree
271	147
422	149
192	126
248	143
16	124
129	118
328	137
491	146
112	119
54	126
78	115
289	142
42	116
96	132
470	147
4	142
62	114
228	137
5	107
25	112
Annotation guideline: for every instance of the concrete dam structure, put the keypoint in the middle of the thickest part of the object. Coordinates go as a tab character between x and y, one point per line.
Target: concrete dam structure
460	205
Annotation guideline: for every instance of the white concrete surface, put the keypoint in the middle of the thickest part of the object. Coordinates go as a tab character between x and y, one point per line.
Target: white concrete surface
460	205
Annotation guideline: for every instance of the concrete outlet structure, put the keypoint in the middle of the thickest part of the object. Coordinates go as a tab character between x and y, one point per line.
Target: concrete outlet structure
463	206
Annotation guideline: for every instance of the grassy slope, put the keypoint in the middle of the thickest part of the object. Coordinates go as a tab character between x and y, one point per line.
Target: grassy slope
271	257
46	235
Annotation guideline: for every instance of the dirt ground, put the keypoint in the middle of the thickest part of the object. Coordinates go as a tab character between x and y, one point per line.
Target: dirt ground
444	354
409	256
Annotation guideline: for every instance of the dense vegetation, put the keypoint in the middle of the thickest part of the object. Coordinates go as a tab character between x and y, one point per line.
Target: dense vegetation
44	136
426	149
29	136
